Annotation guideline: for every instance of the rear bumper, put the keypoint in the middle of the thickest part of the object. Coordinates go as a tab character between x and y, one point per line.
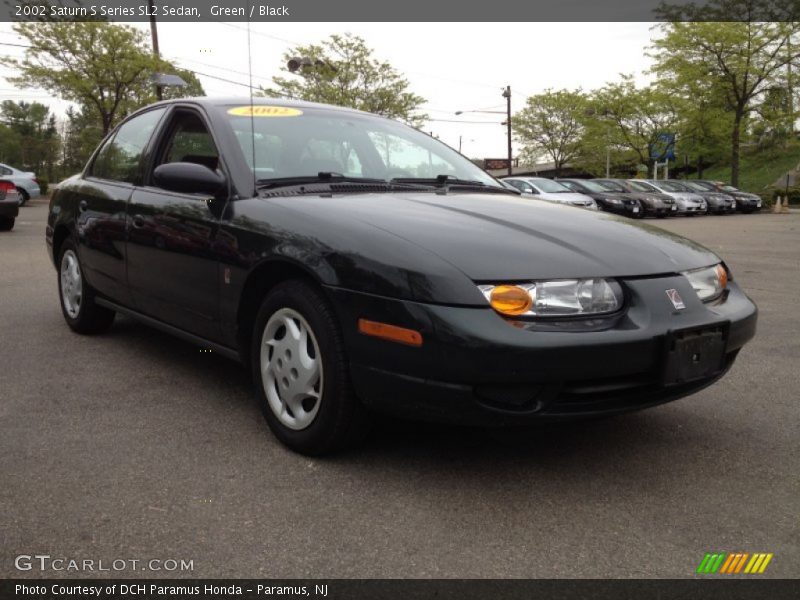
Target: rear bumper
9	208
474	367
33	191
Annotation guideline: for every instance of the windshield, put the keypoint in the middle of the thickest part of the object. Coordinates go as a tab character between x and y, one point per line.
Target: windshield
593	186
694	186
671	186
611	186
641	186
701	185
549	186
729	188
302	142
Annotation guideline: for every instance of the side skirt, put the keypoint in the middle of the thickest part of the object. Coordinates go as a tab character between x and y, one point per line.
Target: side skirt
179	333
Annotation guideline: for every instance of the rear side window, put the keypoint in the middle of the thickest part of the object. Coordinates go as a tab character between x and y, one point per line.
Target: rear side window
119	158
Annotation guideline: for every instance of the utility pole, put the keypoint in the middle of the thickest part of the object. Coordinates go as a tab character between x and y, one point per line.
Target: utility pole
789	82
154	36
507	96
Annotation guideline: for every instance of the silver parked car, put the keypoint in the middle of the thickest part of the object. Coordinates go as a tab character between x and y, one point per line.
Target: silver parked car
689	203
26	183
547	189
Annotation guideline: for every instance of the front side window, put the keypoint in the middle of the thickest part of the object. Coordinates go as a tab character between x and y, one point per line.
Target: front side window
120	156
190	141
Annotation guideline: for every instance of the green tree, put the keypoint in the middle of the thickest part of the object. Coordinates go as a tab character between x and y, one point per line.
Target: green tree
344	72
740	60
82	133
34	129
552	123
103	67
626	121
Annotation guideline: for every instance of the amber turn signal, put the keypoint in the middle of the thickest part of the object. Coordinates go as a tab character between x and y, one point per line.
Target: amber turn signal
723	277
510	300
392	333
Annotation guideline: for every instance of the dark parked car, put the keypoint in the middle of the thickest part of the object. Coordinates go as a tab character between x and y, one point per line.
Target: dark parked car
9	204
357	264
607	199
717	202
654	203
745	201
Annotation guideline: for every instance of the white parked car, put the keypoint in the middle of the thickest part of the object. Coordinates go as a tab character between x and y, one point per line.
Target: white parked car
547	189
688	202
26	183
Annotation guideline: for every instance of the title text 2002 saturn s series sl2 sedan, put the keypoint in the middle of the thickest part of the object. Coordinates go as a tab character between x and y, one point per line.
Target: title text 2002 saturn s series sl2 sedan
358	265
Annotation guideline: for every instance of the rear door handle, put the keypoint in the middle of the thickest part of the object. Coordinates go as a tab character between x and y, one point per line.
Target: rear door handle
82	206
138	221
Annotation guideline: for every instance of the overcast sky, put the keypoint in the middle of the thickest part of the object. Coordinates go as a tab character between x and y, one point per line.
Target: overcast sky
455	66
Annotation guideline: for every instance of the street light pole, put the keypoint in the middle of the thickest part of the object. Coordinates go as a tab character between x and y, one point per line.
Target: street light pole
154	37
507	96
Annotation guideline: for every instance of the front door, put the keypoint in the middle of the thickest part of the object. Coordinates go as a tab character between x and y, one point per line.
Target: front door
172	268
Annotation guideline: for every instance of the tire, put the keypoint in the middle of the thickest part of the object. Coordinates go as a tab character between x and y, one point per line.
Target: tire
76	296
23	196
324	415
660	216
7	223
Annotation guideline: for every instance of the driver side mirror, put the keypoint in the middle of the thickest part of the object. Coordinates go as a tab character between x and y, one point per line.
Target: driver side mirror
188	178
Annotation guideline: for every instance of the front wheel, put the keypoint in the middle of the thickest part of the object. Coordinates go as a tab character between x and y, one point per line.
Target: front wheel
78	305
301	373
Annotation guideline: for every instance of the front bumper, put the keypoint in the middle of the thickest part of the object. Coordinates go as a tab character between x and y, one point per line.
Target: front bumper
476	368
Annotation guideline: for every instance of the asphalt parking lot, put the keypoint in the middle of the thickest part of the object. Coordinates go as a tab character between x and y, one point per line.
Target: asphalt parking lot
134	445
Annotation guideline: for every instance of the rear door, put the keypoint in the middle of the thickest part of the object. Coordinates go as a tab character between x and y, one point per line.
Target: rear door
172	265
102	201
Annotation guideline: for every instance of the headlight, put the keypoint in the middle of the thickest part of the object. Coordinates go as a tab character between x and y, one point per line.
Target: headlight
708	282
562	298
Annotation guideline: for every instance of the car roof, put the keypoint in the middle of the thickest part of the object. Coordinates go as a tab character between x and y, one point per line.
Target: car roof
260	101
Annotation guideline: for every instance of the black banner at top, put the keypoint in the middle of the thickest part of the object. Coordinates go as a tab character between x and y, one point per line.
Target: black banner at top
277	11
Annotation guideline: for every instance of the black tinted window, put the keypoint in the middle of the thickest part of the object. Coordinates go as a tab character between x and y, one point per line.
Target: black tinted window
190	141
119	158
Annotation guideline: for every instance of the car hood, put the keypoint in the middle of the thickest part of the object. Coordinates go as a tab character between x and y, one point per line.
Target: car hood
492	237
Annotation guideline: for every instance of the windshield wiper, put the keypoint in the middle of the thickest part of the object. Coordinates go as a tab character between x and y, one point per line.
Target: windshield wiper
321	177
446	182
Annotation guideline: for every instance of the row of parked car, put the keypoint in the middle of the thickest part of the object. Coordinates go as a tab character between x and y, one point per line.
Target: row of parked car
638	198
16	188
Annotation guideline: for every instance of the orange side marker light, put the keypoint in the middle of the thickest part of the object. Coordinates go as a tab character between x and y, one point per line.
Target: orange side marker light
392	333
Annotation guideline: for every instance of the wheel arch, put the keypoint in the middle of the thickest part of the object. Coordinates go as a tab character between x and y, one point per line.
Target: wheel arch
61	233
261	279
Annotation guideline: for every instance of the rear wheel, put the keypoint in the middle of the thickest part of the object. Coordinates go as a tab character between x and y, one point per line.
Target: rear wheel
78	305
7	223
23	196
301	373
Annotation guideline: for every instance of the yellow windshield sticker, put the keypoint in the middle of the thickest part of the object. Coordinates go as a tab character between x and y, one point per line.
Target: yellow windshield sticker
264	111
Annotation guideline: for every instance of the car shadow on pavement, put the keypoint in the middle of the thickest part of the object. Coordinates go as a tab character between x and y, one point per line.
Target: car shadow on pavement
619	439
